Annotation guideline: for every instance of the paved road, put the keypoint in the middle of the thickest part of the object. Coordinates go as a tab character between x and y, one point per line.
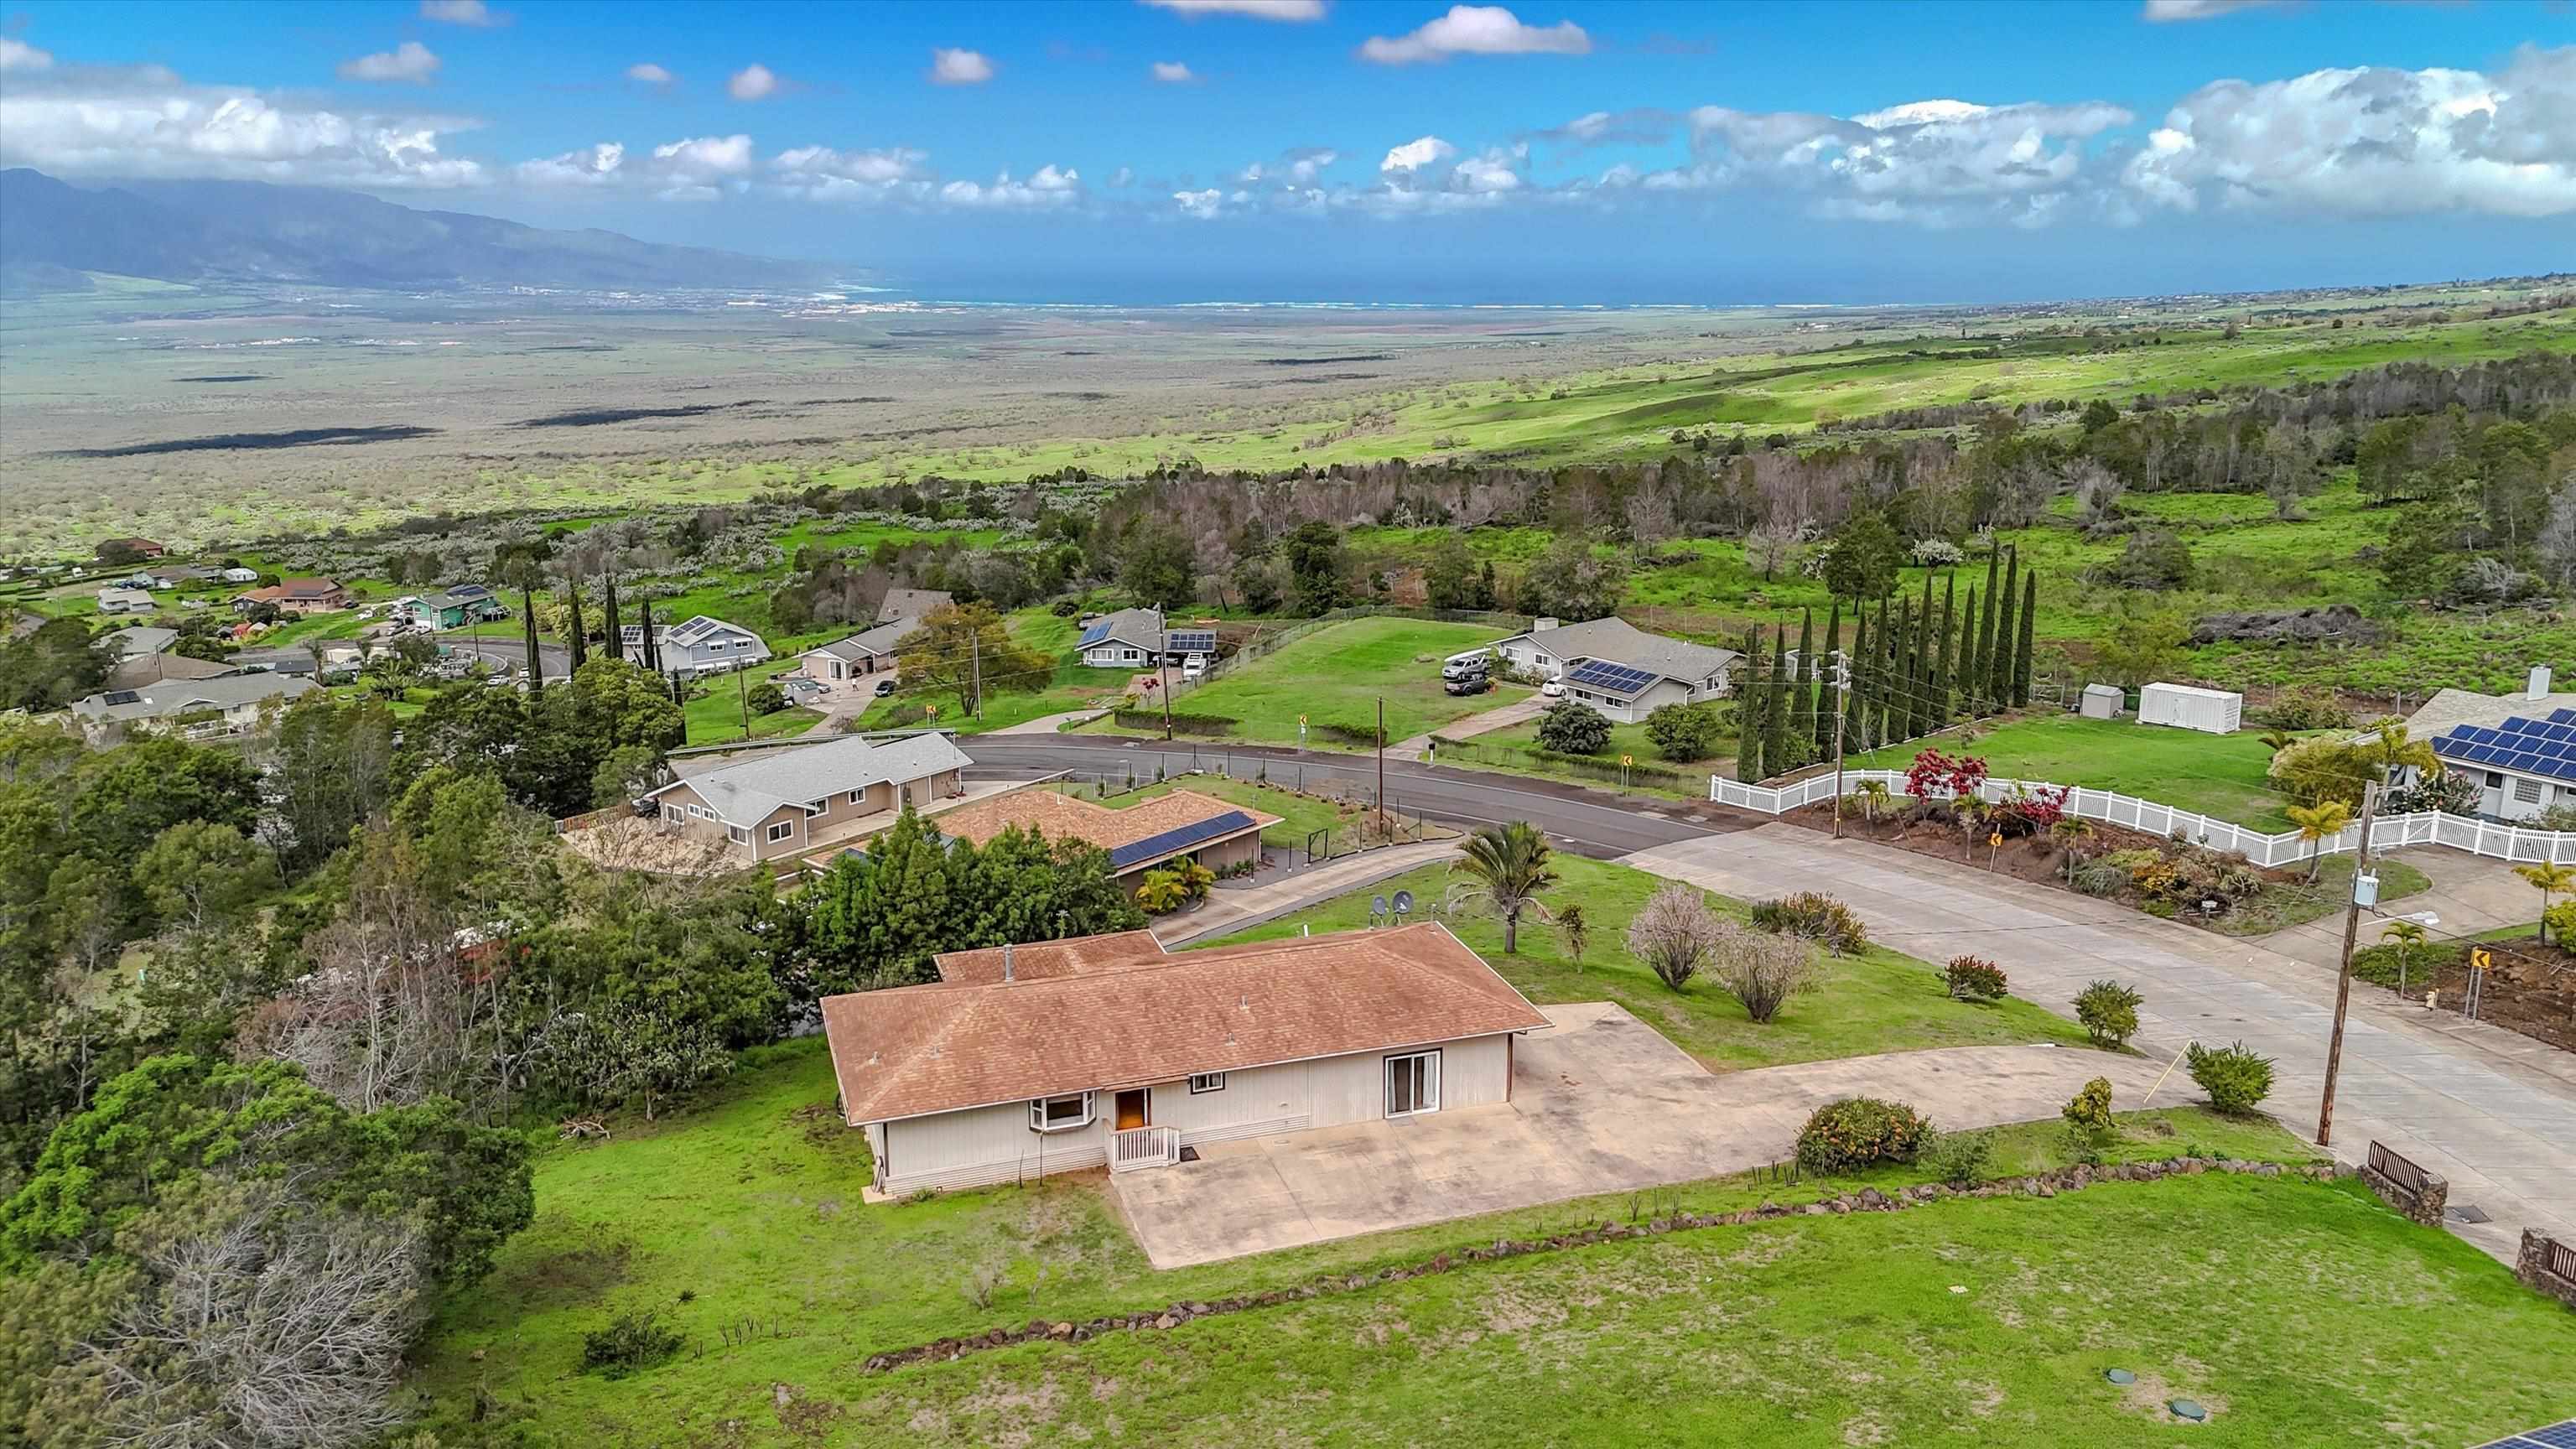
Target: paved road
1590	822
2497	1119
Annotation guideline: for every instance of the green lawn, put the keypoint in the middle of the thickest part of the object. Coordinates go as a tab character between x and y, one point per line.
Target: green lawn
1878	1001
1338	674
1299	815
1070	687
2290	903
2220	775
714	707
2281	1302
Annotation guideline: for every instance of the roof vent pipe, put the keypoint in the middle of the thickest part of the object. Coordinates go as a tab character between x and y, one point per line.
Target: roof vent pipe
2535	686
1006	961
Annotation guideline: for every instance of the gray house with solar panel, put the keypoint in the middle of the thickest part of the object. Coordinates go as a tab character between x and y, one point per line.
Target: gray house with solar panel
1136	639
2523	765
1617	668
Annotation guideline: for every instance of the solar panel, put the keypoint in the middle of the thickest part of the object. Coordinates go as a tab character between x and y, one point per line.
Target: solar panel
1154	847
2562	716
122	696
2548	1436
1616	678
1191	641
1093	635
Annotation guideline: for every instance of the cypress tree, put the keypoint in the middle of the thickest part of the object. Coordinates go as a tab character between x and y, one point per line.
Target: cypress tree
1856	702
580	646
1966	673
1775	710
1806	721
652	657
1829	701
1748	712
2021	655
1900	695
1925	717
1999	645
536	668
1981	660
1946	661
616	640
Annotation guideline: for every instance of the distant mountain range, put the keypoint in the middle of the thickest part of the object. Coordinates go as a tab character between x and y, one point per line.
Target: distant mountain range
51	233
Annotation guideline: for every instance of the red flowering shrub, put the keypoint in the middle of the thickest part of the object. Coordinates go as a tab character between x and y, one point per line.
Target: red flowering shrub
1859	1131
1936	776
2030	812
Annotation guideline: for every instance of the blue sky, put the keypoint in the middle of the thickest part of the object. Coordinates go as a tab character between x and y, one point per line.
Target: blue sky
1343	149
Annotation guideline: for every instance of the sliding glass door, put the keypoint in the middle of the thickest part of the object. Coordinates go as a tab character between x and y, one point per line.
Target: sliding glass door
1413	1084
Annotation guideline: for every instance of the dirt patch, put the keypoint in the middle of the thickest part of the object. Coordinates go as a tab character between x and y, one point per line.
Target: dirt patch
2531	989
2152	1393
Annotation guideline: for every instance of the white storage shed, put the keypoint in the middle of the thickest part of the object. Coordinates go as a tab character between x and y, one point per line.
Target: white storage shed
2104	701
2185	706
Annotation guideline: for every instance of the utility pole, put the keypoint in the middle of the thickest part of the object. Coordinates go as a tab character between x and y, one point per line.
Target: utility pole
1163	662
742	695
1842	706
1381	765
975	641
2343	972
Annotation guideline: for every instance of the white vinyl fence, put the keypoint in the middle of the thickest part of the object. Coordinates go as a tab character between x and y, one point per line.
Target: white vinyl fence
2388	832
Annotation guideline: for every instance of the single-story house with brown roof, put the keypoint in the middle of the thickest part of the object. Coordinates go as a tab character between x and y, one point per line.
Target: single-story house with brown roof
787	802
298	596
1149	835
1065	1055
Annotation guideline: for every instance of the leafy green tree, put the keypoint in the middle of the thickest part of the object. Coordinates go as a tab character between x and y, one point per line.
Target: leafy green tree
700	954
330	766
1159	568
125	796
1573	581
1508	865
1685	732
966	648
1256	584
2141	644
2428	545
53	665
1573	728
1449	579
1863	561
878	916
197	875
1313	551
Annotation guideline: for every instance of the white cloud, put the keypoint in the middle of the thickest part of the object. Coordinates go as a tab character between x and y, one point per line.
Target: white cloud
1049	188
1173	73
647	73
2165	12
592	166
1415	154
1491	172
410	61
1938	161
2374	142
1476	30
149	123
959	67
463	12
754	82
1200	205
1123	177
707	155
1289	10
820	173
19	55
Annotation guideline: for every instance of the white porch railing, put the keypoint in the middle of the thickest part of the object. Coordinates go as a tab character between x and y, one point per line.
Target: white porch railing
2388	832
1144	1147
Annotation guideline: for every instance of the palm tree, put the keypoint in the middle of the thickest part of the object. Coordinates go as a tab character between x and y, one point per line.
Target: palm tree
2277	740
2316	824
2071	832
1873	798
2407	935
1508	866
2549	878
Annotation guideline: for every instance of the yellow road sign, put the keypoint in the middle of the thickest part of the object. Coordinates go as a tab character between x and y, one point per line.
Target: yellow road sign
2481	958
1627	759
1995	839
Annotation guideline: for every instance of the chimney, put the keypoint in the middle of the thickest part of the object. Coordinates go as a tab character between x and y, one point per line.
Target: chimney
1006	961
1542	622
2536	685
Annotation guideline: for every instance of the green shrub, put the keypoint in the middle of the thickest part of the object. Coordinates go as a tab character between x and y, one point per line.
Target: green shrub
1576	729
904	715
2308	709
1974	978
631	1342
2109	1012
1816	917
1162	892
2101	878
765	698
2235	1078
1860	1131
1685	731
1958	1157
2090	1108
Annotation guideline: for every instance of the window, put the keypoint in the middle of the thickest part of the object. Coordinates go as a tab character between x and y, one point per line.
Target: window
2495	779
1060	1114
2527	791
857	796
781	831
1207	1082
740	835
1413	1084
701	812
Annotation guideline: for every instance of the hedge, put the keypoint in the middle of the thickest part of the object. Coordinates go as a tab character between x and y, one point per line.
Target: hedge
1182	724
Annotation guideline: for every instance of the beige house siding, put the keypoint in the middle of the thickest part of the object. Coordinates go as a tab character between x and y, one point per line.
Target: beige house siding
1215	857
986	1145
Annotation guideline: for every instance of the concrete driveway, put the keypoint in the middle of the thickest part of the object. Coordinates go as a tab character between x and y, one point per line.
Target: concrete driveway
1600	1103
2490	1110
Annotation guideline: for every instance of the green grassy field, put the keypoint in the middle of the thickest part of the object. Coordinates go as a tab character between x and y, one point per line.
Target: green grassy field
1878	1001
2282	1304
2220	775
1337	675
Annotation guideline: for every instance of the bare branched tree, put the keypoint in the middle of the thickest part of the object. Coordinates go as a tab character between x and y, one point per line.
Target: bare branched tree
1763	970
1673	932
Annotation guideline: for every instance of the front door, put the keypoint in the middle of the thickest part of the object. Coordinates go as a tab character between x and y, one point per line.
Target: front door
1131	1110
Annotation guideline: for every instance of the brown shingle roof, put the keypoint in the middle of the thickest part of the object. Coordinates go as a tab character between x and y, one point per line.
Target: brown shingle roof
1039	960
1068	817
918	1050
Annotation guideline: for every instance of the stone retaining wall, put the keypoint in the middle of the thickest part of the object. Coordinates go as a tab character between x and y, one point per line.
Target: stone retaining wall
2532	1266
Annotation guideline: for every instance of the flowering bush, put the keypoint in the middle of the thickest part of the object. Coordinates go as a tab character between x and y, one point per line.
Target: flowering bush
1935	775
2026	811
1938	553
1859	1131
1974	978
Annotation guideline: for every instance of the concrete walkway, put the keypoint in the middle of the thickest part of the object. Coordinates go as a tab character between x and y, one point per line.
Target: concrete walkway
1519	711
1048	724
1600	1103
2493	1112
2471	894
1233	910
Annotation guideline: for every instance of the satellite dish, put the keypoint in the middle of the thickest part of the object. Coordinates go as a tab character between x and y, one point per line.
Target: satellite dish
1404	903
1377	905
